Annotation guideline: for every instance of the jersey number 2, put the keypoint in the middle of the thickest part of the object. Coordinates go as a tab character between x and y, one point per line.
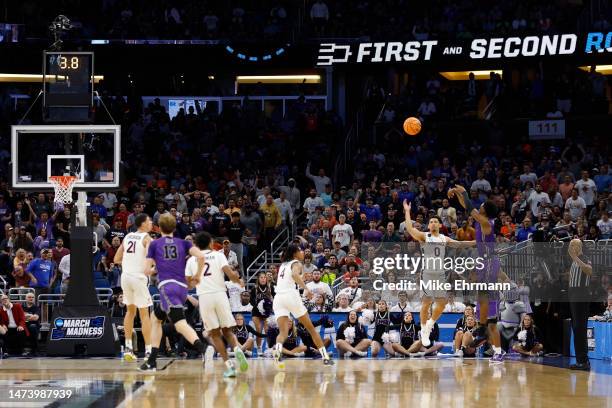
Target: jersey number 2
206	268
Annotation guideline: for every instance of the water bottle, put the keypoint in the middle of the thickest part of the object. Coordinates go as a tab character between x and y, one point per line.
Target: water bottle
254	353
369	352
479	352
122	351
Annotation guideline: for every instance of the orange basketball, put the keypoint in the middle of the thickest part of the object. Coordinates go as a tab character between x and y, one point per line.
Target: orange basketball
412	126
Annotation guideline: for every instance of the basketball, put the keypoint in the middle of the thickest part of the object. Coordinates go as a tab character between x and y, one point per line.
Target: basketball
412	126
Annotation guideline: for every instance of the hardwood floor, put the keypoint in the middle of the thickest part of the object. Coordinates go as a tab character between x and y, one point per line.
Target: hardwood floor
308	383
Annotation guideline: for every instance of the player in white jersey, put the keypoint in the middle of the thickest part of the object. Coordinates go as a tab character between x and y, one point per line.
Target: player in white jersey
287	301
135	283
434	250
208	275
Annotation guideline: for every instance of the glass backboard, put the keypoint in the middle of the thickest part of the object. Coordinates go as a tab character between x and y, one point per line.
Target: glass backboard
90	152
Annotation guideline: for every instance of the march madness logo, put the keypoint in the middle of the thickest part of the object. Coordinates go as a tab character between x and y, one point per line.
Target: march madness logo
70	328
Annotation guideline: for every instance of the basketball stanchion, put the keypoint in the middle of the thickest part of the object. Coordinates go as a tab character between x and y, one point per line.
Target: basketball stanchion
81	325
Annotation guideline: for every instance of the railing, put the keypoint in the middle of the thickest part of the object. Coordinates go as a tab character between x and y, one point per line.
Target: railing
252	271
3	284
47	301
278	243
19	294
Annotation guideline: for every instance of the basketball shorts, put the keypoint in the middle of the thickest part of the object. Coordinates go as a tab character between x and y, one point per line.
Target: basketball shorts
215	311
289	303
136	291
429	284
172	295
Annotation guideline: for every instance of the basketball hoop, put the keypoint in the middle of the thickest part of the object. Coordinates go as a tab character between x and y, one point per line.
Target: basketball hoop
63	188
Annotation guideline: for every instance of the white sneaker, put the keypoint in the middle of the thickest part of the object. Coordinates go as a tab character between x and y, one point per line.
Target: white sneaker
459	353
300	354
248	353
209	354
348	354
362	353
426	332
417	355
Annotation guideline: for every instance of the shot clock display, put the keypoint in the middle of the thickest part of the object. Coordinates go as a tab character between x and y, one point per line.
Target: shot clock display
68	83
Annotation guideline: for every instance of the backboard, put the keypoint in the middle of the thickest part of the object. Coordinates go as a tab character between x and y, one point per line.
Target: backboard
90	152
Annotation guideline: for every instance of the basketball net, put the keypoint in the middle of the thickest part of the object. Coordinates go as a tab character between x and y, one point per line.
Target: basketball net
63	188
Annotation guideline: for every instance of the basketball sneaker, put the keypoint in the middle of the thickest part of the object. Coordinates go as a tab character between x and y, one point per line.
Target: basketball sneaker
498	358
240	357
146	366
426	332
278	357
459	353
129	356
230	370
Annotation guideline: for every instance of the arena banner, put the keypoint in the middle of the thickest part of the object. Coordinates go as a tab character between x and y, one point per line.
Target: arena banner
493	49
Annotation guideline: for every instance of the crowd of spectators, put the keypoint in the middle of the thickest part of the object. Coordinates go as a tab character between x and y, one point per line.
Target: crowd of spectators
278	19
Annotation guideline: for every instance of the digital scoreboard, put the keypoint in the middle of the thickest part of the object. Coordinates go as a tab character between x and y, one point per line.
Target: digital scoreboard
68	85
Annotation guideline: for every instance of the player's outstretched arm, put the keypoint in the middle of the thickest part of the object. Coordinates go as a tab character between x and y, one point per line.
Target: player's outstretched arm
194	251
461	194
414	233
453	243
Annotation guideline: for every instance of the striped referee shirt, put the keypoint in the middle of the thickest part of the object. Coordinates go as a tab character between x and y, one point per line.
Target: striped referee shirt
579	279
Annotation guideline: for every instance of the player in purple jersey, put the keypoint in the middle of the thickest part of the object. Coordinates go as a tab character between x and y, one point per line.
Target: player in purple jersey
169	255
490	273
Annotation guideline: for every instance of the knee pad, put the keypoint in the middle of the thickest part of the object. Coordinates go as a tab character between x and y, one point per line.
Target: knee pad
159	314
176	314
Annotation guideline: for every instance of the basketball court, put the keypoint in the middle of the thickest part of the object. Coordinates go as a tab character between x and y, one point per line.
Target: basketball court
441	382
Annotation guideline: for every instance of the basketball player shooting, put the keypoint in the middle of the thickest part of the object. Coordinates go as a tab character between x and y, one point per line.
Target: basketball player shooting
489	273
169	255
209	277
134	283
287	301
434	250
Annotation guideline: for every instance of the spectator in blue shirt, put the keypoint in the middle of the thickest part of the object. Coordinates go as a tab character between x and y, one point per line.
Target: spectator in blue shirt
523	233
404	193
42	269
326	196
371	211
603	180
97	207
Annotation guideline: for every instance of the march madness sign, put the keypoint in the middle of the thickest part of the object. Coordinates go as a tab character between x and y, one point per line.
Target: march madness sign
77	328
479	49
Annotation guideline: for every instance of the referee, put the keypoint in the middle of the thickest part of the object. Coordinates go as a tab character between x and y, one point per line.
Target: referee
580	276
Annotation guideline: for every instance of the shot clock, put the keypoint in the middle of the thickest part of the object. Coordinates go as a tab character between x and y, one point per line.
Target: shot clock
68	85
